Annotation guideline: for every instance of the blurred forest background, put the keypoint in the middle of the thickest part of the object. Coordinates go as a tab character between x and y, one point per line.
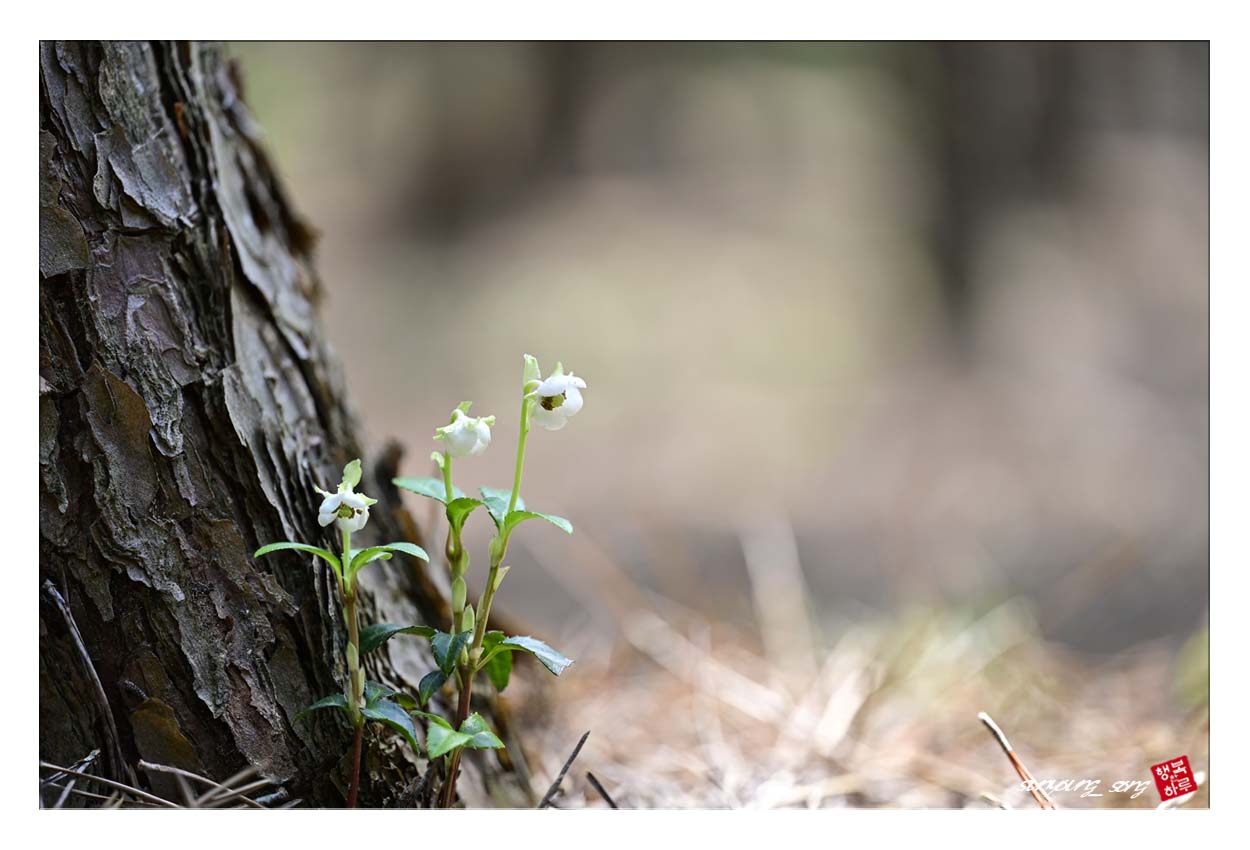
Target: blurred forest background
917	327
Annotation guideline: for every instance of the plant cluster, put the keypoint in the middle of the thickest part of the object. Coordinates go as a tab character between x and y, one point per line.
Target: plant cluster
470	647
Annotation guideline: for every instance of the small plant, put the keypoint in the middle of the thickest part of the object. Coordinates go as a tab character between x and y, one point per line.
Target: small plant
360	700
471	648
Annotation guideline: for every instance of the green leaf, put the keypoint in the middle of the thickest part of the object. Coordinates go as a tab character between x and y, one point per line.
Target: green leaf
552	660
498	661
480	736
375	691
441	740
351	475
429	685
458	510
447	649
431	488
335	701
385	711
375	552
406	702
434	718
373	636
513	519
497	503
302	547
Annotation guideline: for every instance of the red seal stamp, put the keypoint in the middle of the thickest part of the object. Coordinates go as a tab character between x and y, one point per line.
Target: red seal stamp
1173	778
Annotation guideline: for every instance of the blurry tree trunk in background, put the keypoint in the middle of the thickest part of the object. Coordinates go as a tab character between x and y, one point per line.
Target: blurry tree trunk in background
1006	119
187	407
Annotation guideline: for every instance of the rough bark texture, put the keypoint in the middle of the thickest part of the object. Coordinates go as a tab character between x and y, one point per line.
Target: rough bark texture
187	407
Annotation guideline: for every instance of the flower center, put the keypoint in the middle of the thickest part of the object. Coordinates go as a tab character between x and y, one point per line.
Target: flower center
551	402
346	512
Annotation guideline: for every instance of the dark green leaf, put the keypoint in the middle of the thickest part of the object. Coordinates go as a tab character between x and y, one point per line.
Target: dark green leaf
498	661
552	660
335	701
447	649
429	685
431	488
385	711
375	552
518	516
480	736
497	503
302	547
375	691
406	702
373	636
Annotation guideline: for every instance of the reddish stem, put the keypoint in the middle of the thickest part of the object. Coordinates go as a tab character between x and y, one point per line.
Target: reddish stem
354	788
462	714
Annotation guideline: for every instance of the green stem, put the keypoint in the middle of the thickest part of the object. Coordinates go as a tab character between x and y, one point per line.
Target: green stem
520	453
355	676
451	491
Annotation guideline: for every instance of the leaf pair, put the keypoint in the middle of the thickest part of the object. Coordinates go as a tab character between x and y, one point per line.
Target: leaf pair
441	738
497	504
357	558
446	647
378	707
495	501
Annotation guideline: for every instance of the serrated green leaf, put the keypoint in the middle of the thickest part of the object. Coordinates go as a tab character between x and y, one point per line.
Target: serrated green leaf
431	488
519	516
458	510
447	649
373	636
334	701
365	556
439	741
497	503
429	685
498	662
479	734
302	547
385	711
375	691
551	659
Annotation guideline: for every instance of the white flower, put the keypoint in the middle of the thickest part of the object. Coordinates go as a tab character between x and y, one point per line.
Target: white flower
465	436
556	399
346	507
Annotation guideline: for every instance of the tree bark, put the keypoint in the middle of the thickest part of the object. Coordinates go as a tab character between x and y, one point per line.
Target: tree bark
187	406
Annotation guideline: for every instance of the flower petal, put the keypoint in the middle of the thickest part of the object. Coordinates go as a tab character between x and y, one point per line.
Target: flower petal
553	386
572	401
355	500
331	503
552	420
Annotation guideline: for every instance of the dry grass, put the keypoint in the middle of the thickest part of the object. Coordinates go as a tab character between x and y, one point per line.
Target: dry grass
688	713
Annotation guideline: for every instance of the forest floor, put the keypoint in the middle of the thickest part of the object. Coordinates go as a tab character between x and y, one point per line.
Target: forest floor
685	713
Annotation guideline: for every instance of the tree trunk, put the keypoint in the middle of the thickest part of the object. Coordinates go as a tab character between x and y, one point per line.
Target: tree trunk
187	406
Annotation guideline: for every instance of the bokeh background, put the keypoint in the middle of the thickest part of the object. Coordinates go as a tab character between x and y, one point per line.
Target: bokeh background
869	329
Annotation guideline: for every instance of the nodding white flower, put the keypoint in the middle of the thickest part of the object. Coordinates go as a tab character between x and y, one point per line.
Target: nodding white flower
556	399
346	507
466	436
